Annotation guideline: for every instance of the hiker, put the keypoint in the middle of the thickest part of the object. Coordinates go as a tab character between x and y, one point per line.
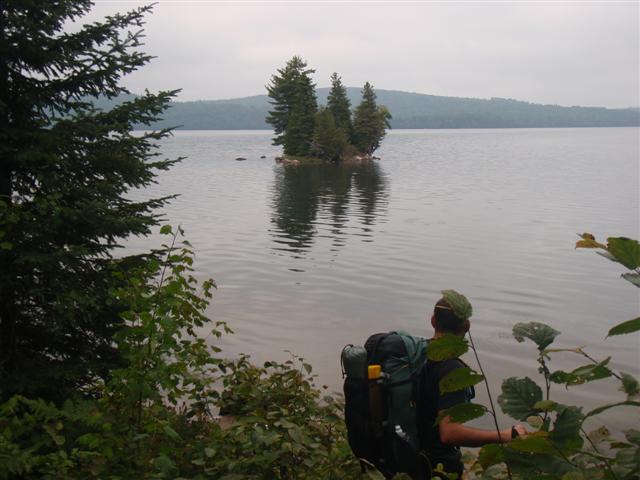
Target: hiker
442	442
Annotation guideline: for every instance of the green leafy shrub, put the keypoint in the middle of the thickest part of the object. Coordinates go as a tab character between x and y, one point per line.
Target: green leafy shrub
560	448
283	428
155	417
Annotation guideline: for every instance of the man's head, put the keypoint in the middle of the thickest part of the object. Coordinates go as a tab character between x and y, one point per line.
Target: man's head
451	313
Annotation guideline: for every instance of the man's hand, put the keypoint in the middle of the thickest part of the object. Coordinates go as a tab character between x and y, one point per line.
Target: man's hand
507	434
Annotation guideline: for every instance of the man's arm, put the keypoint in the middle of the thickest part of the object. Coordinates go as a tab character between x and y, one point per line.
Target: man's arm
452	433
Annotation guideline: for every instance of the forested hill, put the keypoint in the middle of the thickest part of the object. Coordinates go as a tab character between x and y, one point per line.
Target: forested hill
409	110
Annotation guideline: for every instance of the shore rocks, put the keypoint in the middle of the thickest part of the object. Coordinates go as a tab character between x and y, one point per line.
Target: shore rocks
359	158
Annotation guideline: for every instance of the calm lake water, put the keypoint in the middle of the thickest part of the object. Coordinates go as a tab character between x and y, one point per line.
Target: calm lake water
311	258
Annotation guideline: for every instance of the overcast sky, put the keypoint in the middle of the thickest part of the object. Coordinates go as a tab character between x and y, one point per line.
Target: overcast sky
566	53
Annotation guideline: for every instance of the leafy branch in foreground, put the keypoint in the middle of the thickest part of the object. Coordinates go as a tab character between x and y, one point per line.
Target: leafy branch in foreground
626	252
561	448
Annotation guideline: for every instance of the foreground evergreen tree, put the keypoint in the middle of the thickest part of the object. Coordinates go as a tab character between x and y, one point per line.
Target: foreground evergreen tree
329	141
65	174
370	122
294	103
339	105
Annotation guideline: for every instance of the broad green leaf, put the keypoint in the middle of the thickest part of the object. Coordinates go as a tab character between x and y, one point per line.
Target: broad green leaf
539	333
458	379
532	444
445	347
566	429
593	371
545	405
625	327
491	454
630	386
633	278
165	230
518	397
583	374
601	409
563	378
535	421
588	241
461	413
458	303
625	250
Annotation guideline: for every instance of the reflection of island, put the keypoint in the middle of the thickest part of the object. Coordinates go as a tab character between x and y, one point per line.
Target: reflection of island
326	197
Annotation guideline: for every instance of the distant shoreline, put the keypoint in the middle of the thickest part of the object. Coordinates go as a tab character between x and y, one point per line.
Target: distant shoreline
409	110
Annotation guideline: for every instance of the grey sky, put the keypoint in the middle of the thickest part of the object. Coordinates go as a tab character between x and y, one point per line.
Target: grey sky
567	53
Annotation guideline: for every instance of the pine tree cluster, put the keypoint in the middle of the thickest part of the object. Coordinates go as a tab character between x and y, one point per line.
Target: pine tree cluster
326	132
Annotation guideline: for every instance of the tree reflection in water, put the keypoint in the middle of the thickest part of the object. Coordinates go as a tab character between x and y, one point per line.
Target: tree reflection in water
326	200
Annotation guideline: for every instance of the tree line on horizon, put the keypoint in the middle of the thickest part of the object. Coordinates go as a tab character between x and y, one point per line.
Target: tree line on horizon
328	132
410	110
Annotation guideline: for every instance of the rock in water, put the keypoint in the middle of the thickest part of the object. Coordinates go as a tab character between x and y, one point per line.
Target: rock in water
240	159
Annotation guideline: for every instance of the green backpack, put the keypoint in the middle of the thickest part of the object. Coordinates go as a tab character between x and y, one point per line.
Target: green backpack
381	402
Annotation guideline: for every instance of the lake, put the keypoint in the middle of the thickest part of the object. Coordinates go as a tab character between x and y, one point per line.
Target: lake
311	258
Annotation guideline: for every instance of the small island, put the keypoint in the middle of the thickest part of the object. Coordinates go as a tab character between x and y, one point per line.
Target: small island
327	133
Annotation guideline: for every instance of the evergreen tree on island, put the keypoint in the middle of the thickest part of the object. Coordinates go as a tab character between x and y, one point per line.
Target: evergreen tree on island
299	132
328	134
370	122
339	105
65	177
294	106
329	140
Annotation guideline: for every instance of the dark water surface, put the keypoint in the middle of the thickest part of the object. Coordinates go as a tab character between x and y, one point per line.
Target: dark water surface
310	258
